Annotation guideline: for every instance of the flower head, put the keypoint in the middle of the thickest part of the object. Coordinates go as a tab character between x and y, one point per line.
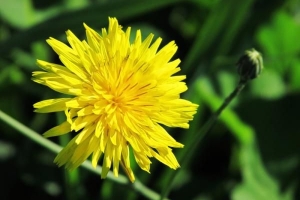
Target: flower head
120	93
250	65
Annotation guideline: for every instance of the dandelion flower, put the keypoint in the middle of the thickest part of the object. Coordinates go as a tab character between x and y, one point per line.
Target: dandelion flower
118	95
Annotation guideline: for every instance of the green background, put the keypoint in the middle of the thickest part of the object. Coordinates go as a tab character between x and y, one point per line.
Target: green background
252	152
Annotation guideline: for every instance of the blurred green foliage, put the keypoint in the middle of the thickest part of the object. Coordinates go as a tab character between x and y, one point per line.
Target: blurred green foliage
252	153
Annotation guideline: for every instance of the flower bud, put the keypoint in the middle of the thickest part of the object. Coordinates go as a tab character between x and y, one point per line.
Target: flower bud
250	65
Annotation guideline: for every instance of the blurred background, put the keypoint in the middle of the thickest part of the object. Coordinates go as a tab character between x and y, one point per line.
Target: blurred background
252	152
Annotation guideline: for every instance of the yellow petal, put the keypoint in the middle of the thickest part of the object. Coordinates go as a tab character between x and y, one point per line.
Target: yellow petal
51	105
61	129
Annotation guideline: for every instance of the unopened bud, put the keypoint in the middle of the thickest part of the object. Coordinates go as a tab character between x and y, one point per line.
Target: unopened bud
250	65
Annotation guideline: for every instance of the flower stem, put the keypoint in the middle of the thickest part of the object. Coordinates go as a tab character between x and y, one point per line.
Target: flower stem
137	185
199	136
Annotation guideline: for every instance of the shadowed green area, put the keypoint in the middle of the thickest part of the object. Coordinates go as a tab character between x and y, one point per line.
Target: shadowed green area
251	153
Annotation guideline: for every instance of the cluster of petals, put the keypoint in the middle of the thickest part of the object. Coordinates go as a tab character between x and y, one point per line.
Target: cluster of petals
118	94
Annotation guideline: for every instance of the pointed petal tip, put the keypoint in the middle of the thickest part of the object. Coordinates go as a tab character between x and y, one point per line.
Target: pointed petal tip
86	26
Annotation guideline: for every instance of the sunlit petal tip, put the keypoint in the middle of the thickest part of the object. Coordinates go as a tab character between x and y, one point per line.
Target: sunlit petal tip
122	93
86	26
94	163
50	40
68	32
39	62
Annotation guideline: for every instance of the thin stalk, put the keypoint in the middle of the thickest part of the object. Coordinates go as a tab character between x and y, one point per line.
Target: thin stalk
36	137
199	136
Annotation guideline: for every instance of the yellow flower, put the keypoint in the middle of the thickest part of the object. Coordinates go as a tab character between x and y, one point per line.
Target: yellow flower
120	93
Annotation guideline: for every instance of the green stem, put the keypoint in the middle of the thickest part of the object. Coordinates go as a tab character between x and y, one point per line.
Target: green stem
29	133
199	136
137	185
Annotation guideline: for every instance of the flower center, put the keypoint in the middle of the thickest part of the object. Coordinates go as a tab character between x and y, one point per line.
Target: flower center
116	101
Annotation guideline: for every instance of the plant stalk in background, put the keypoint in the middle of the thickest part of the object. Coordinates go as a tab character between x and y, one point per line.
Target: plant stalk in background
249	66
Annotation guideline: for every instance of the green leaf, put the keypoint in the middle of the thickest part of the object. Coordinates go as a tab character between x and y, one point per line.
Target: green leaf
95	15
269	85
257	183
240	130
75	4
218	22
18	13
24	59
227	82
277	41
16	75
295	75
